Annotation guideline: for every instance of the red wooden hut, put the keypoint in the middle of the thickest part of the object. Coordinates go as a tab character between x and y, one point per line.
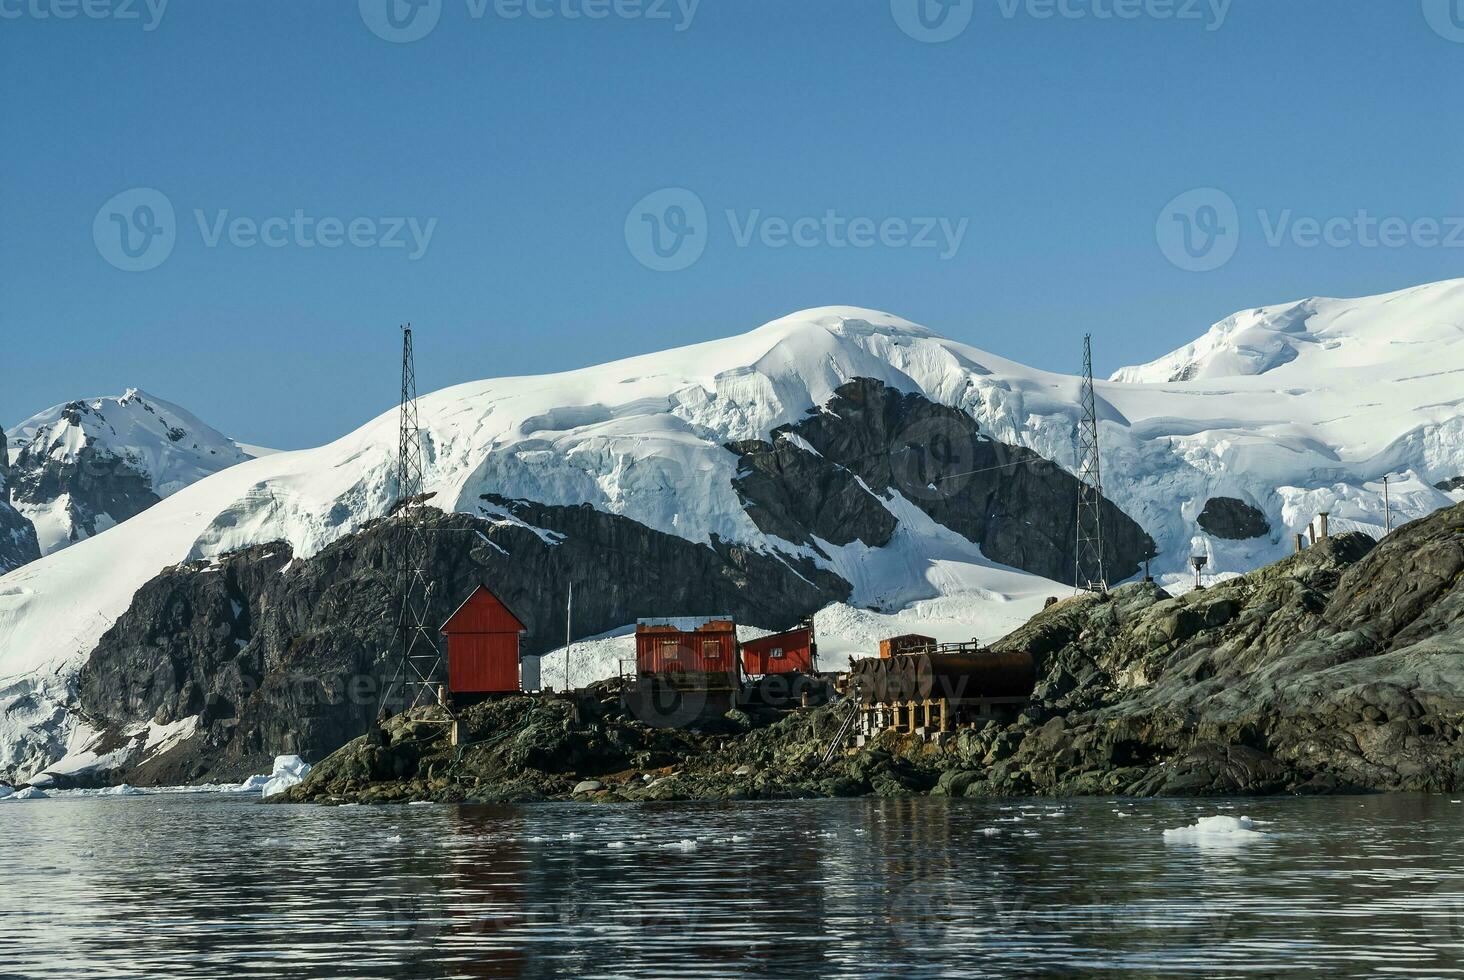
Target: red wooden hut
483	646
693	652
789	652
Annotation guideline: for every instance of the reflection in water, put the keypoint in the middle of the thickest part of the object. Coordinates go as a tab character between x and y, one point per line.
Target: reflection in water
189	885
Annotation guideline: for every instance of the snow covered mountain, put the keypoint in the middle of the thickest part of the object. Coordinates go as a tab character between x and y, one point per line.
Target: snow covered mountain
1273	416
82	467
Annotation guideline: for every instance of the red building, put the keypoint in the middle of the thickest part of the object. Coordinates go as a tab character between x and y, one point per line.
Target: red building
789	652
483	646
695	652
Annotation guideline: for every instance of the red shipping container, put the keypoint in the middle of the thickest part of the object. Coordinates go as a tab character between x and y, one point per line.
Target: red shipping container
789	652
483	646
689	651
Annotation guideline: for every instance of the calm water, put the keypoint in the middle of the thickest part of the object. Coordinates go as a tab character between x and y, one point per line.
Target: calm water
195	885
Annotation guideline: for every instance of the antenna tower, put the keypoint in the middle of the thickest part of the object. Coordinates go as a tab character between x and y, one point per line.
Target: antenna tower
1088	573
419	668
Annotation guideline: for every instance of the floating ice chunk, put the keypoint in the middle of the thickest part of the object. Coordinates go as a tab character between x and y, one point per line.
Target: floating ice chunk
572	836
29	793
1215	829
253	784
289	770
615	845
990	831
394	839
121	790
419	803
681	845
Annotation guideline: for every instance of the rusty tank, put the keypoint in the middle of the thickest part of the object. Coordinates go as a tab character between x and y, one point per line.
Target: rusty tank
966	676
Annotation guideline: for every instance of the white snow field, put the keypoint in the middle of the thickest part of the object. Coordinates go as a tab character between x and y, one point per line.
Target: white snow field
1295	409
156	438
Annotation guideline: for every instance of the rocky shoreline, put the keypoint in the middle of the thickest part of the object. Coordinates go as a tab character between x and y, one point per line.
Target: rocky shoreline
1339	669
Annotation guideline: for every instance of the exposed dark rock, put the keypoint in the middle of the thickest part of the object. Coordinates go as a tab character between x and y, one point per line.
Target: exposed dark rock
17	535
1451	484
798	495
277	655
1017	506
1339	669
1232	519
96	482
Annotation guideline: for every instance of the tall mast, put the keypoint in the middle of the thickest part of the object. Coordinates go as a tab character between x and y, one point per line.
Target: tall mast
1088	571
419	667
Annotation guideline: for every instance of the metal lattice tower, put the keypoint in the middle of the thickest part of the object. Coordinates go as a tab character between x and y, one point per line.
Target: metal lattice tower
419	669
1088	573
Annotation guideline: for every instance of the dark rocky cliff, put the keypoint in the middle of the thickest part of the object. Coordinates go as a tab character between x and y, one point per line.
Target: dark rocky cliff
1338	669
830	475
17	536
278	655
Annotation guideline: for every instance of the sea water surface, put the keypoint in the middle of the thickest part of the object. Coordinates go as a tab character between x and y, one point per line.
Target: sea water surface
204	885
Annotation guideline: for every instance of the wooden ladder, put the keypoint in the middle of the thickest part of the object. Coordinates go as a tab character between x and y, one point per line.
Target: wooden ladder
843	734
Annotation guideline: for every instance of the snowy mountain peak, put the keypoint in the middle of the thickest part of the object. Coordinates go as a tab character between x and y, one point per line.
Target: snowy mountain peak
82	466
1325	333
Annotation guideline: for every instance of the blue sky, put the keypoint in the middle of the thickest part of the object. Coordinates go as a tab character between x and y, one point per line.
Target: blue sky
523	144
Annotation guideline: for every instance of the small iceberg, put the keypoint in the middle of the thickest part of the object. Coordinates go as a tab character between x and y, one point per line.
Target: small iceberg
289	770
253	784
122	790
1217	829
29	793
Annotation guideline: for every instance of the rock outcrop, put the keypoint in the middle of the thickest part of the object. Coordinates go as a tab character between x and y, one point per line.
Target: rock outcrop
1232	519
278	655
837	473
1339	669
17	535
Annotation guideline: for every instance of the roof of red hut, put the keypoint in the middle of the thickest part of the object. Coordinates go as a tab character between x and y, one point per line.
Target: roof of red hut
483	612
685	624
798	634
